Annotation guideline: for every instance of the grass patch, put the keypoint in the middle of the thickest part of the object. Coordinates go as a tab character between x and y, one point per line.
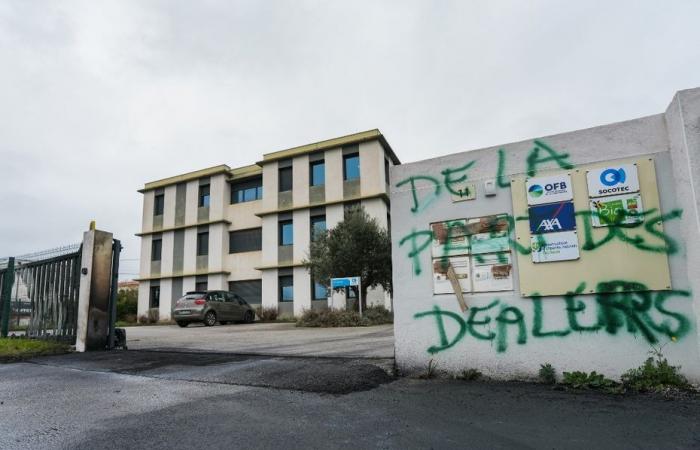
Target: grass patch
469	375
329	318
584	380
18	349
547	374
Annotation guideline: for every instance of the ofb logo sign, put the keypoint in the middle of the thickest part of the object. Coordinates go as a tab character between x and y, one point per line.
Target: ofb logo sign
550	189
614	180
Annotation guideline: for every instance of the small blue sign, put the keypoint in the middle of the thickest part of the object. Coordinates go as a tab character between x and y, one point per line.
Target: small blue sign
344	282
552	218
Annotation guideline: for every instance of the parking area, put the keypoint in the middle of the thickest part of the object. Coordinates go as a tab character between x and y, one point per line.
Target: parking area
283	339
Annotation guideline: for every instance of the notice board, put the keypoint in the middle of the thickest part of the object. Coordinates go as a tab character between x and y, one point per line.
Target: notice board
603	255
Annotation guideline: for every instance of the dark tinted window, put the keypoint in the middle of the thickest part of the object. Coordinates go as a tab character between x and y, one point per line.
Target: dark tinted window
201	286
154	297
156	249
245	240
158	204
386	171
286	288
285	179
250	290
204	195
247	191
202	244
351	166
286	232
317	173
318	225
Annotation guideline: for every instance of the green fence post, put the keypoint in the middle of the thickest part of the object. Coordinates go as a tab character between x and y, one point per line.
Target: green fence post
6	296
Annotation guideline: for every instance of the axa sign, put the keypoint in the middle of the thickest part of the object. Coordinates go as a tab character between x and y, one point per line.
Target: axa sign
615	180
549	189
552	218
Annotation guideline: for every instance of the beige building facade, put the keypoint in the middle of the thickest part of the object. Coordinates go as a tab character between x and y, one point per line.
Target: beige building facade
248	229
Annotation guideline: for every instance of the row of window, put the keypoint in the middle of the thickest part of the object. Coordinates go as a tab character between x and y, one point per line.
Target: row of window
249	240
286	289
203	200
317	172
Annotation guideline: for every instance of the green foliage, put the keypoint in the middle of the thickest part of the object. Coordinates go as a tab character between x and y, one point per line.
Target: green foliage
327	318
266	314
430	371
547	374
469	375
655	375
127	305
22	348
583	380
357	246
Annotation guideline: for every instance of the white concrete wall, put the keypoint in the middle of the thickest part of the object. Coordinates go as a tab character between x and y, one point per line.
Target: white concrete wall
219	197
334	214
371	168
243	215
477	338
144	290
217	281
302	291
191	202
189	261
302	234
269	238
166	296
218	246
166	253
147	218
188	284
169	206
334	174
269	288
270	186
300	180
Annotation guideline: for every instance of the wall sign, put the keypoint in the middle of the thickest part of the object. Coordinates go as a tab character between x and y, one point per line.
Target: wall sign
617	210
552	218
553	247
555	188
465	191
612	180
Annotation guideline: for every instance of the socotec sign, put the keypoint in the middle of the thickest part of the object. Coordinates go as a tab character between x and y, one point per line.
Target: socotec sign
612	180
551	189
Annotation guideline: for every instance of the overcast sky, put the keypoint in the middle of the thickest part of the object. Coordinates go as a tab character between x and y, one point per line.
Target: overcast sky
97	97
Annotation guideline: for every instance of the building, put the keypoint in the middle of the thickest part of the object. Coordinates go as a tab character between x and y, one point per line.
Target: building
248	229
580	249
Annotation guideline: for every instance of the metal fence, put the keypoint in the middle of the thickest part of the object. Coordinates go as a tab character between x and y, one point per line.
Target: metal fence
43	294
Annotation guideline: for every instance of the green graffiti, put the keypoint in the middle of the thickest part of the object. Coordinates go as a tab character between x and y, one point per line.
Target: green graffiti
620	305
517	318
444	343
417	206
501	178
534	159
449	181
416	249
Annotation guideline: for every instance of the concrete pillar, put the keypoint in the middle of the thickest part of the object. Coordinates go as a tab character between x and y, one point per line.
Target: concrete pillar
166	298
93	297
269	288
302	291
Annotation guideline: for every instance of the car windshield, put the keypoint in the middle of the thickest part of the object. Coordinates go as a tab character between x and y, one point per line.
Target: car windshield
194	296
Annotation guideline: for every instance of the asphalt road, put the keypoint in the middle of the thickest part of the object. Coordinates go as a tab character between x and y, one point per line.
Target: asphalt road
267	338
172	400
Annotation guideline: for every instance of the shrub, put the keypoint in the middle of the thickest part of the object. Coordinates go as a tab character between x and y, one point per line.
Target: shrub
150	317
266	314
378	315
469	375
655	375
327	318
127	305
583	380
547	374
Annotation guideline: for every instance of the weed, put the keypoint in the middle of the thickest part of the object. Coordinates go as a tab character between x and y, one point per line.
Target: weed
583	380
655	375
547	374
266	314
430	371
150	317
469	375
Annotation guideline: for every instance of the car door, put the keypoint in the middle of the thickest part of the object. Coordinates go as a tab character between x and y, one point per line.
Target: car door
216	301
237	308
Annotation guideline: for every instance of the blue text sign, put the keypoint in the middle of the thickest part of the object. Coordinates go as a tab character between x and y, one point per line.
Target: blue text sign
552	218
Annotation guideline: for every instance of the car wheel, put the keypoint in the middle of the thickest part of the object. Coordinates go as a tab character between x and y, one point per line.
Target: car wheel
182	324
210	319
249	317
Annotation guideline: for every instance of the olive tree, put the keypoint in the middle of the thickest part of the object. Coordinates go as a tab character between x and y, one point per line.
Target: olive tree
357	246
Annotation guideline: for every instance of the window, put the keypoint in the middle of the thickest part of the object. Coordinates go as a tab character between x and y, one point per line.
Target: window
318	225
201	286
158	204
245	240
247	191
320	291
317	173
285	179
351	166
204	195
250	290
286	232
154	297
286	288
203	243
156	249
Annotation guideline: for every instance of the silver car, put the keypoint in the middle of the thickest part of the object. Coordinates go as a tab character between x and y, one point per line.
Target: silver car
210	307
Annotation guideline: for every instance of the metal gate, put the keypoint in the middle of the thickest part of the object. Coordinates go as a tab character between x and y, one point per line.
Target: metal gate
39	293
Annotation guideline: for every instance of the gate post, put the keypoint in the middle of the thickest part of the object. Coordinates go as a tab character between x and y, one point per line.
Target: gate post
93	299
6	295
